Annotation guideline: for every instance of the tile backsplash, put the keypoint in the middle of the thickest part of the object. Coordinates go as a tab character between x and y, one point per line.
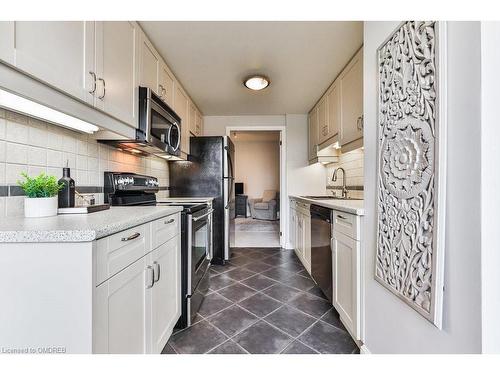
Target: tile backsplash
352	162
33	146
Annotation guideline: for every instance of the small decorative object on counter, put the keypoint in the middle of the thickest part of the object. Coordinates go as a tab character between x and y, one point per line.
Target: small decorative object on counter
41	195
67	193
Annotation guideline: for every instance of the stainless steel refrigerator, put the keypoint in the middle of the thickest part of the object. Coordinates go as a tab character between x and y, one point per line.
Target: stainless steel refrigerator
209	173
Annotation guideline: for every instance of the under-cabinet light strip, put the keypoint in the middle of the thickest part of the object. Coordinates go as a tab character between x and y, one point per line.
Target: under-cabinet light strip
28	107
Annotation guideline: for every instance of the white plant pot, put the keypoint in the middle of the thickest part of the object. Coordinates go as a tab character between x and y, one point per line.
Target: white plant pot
40	207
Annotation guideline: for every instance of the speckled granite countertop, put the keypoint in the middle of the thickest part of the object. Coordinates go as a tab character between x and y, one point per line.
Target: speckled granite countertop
354	206
80	227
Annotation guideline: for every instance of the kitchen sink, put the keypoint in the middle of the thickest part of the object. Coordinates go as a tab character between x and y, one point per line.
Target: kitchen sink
329	197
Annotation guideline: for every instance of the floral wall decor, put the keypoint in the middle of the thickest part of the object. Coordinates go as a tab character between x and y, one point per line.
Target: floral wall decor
411	166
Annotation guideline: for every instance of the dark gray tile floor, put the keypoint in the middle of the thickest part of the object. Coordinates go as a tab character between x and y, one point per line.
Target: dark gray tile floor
263	302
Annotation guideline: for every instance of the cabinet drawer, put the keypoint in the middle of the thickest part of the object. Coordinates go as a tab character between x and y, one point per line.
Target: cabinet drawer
164	229
347	224
302	207
119	250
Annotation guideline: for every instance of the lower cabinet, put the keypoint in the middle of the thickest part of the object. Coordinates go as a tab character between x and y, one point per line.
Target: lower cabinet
136	310
301	232
165	295
120	312
346	272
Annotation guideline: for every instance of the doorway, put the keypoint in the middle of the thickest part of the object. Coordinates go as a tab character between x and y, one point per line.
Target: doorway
258	186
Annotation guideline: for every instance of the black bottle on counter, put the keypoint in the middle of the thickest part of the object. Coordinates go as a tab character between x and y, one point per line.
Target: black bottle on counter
67	193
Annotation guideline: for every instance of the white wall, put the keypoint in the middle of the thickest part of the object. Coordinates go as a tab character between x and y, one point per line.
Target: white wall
301	178
490	185
257	165
391	325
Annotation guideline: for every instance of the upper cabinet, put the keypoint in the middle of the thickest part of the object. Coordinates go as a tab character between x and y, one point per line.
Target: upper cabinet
117	69
181	107
7	48
313	134
60	54
149	65
351	98
100	63
338	115
167	84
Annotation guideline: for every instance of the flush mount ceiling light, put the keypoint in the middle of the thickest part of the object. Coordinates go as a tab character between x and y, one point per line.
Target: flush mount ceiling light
256	82
28	107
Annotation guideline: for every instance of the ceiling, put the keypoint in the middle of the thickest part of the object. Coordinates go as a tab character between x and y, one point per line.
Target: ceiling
211	59
255	136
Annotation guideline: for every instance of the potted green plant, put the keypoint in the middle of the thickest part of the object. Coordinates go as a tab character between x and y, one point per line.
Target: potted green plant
41	195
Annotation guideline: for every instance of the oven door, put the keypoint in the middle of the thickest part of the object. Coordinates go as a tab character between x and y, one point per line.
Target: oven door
200	253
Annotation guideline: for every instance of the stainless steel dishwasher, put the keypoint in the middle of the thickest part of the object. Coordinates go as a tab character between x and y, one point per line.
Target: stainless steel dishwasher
321	254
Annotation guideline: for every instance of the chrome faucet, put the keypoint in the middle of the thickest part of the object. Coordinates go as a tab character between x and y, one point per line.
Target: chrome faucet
334	179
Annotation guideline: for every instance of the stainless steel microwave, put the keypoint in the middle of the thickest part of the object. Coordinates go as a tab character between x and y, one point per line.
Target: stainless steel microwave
159	128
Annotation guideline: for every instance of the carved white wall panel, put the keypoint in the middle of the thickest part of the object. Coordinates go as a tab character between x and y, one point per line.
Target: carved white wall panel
411	161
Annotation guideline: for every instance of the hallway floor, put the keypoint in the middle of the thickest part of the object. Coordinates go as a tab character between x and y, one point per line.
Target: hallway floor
256	233
263	302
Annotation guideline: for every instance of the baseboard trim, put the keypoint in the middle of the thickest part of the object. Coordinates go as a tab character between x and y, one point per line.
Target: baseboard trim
364	350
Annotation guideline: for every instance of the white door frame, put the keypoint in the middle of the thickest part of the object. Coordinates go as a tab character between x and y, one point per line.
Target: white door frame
283	192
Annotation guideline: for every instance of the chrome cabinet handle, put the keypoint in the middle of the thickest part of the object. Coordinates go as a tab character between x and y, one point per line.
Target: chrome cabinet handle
359	123
156	272
95	83
169	221
103	88
150	277
131	237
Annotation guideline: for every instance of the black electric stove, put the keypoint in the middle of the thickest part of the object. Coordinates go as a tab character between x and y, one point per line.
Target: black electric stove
131	189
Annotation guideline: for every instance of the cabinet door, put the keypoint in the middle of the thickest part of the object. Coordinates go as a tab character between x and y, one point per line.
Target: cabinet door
165	293
313	134
7	42
60	54
120	318
150	66
346	280
351	97
323	131
117	69
292	226
167	84
333	101
181	108
306	239
192	118
199	124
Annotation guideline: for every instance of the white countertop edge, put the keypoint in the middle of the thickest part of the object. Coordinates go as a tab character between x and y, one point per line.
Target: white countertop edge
69	231
350	206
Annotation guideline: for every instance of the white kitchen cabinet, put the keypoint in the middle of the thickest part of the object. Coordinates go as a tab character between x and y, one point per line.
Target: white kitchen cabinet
351	100
199	124
301	232
192	118
166	86
120	312
323	132
334	118
313	133
149	65
165	295
60	54
117	69
181	107
7	39
346	272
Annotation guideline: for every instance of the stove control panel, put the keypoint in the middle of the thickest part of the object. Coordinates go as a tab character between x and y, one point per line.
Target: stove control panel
116	181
